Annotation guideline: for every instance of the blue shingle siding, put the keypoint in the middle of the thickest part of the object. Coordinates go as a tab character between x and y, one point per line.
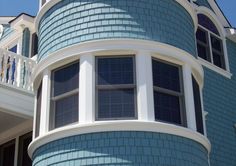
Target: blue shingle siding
7	30
73	21
220	102
204	3
122	148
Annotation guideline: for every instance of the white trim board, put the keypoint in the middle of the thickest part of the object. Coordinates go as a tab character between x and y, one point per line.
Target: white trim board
118	46
109	126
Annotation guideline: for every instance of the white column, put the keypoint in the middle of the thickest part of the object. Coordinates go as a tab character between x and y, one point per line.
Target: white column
188	94
145	100
19	44
87	89
45	103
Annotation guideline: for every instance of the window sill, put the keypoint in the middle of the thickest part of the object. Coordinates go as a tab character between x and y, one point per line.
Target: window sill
107	126
216	69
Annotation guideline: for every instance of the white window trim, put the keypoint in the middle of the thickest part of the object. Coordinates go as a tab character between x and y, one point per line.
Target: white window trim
215	68
212	16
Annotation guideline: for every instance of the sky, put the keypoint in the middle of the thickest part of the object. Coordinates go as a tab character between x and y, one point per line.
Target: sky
15	7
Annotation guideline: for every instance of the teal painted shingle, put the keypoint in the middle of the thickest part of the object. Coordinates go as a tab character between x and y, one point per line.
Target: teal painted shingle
219	96
122	148
71	22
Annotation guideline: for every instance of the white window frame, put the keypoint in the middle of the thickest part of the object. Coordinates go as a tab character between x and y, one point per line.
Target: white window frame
180	94
53	99
116	87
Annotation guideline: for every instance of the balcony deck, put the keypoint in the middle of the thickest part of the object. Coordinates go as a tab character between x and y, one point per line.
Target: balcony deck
16	92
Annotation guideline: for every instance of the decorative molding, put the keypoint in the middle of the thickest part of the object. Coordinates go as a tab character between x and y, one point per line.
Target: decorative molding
118	46
108	126
215	68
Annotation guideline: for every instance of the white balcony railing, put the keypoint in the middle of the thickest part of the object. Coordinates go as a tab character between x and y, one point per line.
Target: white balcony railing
16	70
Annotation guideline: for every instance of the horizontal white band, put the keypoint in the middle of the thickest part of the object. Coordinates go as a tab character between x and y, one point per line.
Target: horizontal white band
108	126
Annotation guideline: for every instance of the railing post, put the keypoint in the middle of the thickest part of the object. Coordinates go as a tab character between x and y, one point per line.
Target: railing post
10	73
18	71
5	68
15	72
26	74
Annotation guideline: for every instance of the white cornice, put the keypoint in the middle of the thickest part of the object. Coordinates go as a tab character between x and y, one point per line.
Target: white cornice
109	126
23	21
109	46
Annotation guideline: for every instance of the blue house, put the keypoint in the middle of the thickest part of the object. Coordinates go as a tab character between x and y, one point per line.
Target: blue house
118	82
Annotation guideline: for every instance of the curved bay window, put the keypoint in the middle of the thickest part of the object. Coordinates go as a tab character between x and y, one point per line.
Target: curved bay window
168	93
65	96
115	88
209	42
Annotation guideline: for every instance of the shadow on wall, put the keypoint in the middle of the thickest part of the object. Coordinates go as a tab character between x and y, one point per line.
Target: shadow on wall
122	148
70	22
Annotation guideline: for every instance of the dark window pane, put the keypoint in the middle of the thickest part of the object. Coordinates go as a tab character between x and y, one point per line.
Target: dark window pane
165	76
23	158
8	154
38	110
13	49
201	35
116	103
203	52
207	23
167	108
218	60
216	43
34	47
66	111
66	79
198	106
115	71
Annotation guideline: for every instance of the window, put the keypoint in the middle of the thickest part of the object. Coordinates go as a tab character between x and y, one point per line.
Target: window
115	88
209	42
13	49
168	93
198	106
7	154
38	110
23	158
65	96
34	48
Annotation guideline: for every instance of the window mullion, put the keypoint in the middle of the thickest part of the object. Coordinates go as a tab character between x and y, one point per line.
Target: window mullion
210	47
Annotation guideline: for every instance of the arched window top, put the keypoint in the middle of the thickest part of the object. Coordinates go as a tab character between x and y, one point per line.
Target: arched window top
207	23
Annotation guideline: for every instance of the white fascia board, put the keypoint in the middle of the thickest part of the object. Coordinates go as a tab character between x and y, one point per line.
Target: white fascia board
5	20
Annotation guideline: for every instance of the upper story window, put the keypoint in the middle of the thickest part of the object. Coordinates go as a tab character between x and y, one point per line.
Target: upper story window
34	46
209	42
65	96
115	88
168	93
